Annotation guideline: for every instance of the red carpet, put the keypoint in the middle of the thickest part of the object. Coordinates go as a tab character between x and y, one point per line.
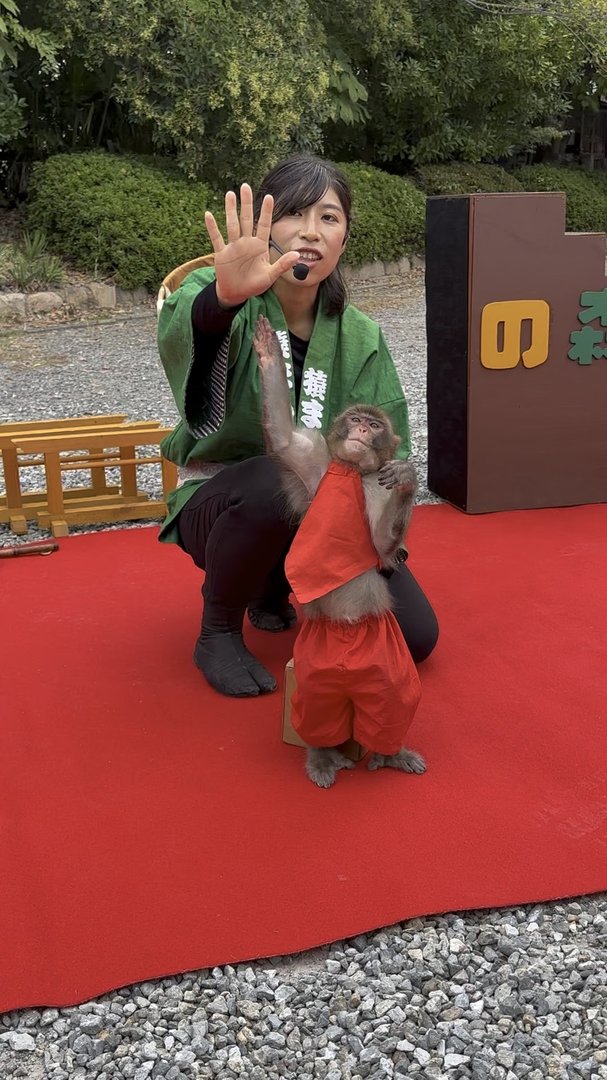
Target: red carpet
149	826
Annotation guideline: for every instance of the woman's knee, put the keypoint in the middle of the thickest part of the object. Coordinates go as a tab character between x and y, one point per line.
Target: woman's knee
259	495
414	614
421	638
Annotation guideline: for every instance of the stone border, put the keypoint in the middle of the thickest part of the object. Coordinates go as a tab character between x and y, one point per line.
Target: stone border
70	299
19	307
375	271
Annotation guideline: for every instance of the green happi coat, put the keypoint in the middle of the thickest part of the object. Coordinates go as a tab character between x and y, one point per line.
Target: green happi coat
219	399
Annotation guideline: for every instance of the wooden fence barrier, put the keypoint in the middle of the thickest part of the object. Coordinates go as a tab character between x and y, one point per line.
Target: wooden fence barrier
91	443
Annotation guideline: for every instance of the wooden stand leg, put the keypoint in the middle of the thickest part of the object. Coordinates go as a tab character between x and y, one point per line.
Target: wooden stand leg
11	477
98	481
17	524
52	468
128	473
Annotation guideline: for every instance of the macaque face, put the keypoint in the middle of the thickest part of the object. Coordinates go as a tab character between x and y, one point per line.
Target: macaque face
363	437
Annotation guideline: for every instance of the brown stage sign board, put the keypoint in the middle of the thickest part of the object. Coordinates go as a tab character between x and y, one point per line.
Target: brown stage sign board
517	354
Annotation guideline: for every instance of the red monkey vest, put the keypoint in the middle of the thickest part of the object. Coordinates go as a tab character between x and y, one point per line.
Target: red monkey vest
333	544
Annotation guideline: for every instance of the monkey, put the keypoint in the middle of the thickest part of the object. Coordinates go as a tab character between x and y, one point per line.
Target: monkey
356	457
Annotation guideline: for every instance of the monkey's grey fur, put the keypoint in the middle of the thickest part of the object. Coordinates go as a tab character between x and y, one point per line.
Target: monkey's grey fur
389	487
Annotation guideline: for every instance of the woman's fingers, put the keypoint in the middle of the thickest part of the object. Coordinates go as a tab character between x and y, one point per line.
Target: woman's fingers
286	262
245	225
213	230
246	210
232	222
264	223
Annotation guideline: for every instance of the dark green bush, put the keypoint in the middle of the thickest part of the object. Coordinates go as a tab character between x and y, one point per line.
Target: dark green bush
133	221
120	217
388	215
459	178
586	193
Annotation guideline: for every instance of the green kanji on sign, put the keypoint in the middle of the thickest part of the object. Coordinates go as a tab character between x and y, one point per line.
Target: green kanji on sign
586	343
596	304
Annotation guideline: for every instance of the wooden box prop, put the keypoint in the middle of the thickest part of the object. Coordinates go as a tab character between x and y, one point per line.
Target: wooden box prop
517	354
90	443
351	748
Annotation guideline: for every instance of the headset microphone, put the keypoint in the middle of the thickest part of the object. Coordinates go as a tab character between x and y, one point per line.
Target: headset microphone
300	270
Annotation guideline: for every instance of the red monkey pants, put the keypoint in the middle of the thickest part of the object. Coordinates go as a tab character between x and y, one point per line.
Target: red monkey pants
354	681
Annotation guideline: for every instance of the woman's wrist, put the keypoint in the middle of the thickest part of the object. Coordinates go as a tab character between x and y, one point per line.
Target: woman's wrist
227	305
208	316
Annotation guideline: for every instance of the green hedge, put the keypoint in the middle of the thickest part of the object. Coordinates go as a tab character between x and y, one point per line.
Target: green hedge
120	217
134	221
459	178
586	193
388	216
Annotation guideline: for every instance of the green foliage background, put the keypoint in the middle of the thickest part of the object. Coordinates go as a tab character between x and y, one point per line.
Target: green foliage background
119	216
227	87
459	178
132	220
586	193
122	123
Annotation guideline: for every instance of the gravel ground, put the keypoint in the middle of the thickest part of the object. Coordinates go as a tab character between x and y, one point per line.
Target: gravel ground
114	368
493	995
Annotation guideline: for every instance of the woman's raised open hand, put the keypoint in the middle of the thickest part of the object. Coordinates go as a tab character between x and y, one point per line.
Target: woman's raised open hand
242	265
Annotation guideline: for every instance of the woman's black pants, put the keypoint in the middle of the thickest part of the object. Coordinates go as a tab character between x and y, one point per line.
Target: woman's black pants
235	529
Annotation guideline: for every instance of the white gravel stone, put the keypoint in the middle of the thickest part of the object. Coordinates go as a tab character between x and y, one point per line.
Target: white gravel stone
19	1040
421	1055
452	1061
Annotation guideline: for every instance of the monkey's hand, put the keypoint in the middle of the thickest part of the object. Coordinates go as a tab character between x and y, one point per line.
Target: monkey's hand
400	475
266	345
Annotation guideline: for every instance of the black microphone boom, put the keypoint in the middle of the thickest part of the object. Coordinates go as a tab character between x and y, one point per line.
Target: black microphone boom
300	270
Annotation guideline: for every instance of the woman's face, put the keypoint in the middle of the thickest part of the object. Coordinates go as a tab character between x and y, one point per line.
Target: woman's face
318	232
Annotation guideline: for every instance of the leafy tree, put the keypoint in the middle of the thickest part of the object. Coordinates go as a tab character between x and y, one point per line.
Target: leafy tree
225	86
18	43
458	83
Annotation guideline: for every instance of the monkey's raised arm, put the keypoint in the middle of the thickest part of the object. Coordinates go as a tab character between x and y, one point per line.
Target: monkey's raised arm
275	397
303	455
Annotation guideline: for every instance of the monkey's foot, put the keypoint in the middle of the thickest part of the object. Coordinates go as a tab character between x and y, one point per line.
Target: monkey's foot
323	764
405	760
275	621
230	668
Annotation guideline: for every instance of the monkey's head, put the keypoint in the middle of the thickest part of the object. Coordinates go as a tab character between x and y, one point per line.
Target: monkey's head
362	436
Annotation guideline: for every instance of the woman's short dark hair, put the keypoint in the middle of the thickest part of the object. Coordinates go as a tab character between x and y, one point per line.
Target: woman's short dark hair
301	181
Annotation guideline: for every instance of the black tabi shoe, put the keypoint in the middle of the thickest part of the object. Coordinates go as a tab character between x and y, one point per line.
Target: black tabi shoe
229	667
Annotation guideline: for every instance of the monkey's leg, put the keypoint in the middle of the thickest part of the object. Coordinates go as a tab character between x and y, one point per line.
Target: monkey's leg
405	760
323	764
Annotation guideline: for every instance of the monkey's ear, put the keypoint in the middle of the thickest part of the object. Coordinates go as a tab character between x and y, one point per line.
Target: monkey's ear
396	441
